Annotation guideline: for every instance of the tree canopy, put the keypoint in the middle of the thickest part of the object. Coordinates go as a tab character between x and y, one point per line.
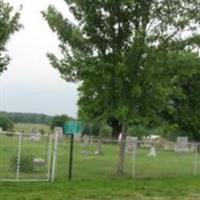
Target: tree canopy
9	24
118	51
5	123
34	118
59	120
185	108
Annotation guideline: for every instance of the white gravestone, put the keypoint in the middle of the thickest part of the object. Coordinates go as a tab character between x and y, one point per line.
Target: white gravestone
85	144
1	129
35	136
98	148
90	147
182	145
131	144
152	152
39	161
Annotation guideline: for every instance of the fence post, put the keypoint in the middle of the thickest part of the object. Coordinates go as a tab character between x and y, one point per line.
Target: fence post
19	156
49	158
195	159
54	156
134	160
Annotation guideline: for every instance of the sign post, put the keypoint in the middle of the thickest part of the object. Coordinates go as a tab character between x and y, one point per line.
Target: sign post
71	128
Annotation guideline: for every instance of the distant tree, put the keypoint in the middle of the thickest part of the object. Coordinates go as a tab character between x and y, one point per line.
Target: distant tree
34	118
59	120
184	107
6	123
187	114
9	24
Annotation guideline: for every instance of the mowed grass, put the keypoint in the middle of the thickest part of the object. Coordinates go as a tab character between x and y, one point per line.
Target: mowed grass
108	189
27	127
167	176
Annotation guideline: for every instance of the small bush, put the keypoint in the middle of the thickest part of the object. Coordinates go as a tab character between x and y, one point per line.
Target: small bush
26	163
105	131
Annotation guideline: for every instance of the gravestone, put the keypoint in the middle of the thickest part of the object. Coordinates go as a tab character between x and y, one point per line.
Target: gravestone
131	144
98	148
182	145
91	146
1	130
85	144
86	140
39	161
152	152
35	136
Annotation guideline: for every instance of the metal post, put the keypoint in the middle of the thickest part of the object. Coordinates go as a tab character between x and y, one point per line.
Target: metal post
19	156
195	159
134	164
49	158
71	156
54	157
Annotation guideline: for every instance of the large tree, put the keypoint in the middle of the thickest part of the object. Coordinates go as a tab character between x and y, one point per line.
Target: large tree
9	23
114	50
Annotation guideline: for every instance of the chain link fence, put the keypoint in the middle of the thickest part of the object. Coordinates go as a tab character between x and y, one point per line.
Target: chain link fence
98	159
24	157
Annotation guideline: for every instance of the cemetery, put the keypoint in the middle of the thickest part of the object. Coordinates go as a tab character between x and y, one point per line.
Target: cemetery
94	162
98	157
99	100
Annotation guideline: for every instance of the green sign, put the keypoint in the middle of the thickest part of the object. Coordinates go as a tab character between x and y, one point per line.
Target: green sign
72	127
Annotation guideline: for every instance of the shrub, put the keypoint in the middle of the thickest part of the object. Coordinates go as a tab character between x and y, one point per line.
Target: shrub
105	131
26	163
6	123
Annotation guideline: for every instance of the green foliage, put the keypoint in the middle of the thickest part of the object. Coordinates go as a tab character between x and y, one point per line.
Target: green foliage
86	130
26	163
91	129
9	24
6	123
138	131
28	117
118	50
105	131
59	120
184	107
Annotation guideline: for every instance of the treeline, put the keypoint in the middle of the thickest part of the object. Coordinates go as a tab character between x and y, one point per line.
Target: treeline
28	117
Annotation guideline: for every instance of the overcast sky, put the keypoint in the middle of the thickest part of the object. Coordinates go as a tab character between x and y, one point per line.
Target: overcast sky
31	84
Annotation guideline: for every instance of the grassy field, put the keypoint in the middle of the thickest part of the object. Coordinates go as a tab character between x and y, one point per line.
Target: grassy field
167	176
26	127
117	188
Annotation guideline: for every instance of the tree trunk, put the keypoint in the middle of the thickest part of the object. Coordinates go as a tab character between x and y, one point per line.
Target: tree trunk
122	147
116	126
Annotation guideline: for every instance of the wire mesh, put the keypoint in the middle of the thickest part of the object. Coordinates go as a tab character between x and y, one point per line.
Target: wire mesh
23	157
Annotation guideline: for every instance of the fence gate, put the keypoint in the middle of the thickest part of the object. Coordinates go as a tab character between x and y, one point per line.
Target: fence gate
25	157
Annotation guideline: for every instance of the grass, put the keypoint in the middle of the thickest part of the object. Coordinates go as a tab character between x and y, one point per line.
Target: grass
27	127
118	188
167	176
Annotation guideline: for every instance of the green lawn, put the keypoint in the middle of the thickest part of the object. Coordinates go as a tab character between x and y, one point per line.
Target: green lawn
26	127
167	176
117	188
